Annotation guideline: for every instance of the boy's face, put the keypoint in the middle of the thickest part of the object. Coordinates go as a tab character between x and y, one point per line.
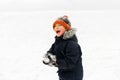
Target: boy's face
59	30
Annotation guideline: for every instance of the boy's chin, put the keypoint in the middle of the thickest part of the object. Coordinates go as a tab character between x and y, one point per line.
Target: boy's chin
58	35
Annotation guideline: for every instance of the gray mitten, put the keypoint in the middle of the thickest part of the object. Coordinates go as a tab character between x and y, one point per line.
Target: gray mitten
50	59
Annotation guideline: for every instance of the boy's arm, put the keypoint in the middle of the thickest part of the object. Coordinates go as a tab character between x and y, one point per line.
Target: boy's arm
72	55
51	49
49	58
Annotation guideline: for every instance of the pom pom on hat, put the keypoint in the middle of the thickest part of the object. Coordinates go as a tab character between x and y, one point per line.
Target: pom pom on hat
65	17
64	21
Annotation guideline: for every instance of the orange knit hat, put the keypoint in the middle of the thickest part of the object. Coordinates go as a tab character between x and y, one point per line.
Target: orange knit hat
63	21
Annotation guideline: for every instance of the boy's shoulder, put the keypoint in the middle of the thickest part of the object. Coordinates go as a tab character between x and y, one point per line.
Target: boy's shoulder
72	43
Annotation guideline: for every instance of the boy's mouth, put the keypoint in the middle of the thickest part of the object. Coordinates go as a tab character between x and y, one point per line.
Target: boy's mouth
57	31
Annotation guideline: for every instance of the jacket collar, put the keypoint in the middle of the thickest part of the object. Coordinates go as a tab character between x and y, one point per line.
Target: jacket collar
69	34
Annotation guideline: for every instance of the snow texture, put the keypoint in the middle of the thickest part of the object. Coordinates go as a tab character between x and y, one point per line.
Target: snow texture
26	34
28	5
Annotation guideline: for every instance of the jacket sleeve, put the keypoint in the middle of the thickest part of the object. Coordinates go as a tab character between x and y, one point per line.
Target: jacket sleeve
51	50
72	56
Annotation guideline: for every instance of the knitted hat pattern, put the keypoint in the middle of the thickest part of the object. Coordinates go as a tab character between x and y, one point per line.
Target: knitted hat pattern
64	21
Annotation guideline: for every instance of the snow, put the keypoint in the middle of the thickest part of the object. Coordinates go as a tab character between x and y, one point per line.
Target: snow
25	36
28	5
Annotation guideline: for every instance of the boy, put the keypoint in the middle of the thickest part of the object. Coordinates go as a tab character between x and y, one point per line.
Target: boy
65	53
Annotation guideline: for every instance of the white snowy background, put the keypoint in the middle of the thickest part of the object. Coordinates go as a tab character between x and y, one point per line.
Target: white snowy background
26	34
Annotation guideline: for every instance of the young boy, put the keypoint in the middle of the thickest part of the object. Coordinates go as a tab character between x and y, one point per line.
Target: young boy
65	53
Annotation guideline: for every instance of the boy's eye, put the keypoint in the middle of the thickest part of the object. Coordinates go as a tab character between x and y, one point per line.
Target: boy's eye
58	25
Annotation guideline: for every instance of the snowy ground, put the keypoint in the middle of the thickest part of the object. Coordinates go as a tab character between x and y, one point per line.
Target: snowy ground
25	36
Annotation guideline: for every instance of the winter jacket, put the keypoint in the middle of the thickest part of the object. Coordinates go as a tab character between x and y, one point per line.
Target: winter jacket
68	56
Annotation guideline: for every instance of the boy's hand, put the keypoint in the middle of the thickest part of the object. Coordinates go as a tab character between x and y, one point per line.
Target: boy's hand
46	60
50	60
